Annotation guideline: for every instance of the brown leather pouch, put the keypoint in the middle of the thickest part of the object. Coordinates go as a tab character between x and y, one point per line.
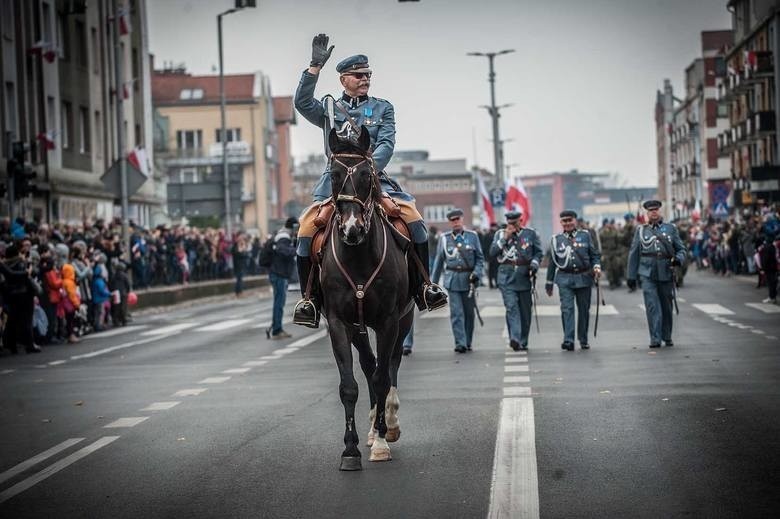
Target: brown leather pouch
324	213
390	206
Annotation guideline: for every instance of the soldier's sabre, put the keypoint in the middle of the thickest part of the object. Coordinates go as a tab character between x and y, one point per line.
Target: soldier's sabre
473	295
674	291
599	299
533	301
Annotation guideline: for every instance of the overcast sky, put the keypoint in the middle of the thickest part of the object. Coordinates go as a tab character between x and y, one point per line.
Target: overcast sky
582	80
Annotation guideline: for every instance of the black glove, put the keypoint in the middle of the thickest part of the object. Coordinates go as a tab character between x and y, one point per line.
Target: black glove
673	262
473	278
320	51
631	284
534	268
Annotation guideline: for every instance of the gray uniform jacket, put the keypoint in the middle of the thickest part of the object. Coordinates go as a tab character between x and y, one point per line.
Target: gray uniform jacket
515	256
458	256
652	249
572	260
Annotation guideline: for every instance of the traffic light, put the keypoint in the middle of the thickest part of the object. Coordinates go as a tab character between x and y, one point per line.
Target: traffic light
23	173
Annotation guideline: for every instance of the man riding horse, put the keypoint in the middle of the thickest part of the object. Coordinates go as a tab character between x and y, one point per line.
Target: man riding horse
353	110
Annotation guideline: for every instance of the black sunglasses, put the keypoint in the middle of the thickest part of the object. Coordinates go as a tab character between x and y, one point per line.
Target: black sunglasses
360	75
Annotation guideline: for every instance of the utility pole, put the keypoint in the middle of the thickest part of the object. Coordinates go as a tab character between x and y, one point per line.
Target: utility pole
493	110
240	4
119	60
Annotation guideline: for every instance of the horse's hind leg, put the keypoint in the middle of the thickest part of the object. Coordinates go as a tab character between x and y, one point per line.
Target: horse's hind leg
393	402
368	365
348	391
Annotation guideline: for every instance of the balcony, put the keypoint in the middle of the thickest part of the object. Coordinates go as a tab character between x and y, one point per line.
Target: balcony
238	153
764	122
758	65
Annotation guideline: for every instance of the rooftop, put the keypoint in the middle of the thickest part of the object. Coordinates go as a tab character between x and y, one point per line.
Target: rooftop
176	87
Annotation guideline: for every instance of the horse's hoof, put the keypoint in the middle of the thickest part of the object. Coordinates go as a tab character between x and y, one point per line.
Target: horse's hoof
380	455
393	434
350	463
370	438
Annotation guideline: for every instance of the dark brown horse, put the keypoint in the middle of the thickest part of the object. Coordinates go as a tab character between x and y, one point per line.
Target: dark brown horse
365	284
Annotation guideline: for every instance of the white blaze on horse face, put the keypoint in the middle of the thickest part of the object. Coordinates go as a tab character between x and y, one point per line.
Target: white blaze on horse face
351	223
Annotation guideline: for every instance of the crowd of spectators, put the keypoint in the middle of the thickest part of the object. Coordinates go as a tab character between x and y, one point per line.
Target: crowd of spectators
80	279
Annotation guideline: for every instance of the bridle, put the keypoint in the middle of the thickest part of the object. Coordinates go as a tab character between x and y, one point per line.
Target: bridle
369	203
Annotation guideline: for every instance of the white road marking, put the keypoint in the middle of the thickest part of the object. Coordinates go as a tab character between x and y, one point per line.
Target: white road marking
516	369
305	341
7	371
123	346
713	309
291	348
115	331
767	308
254	363
236	371
771	337
517	379
517	391
214	380
168	329
21	467
190	392
130	421
284	351
542	311
759	332
513	352
222	325
681	300
516	359
642	306
57	362
54	468
270	357
514	490
160	406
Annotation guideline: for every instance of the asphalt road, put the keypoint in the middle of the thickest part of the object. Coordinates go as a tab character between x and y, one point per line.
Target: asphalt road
193	413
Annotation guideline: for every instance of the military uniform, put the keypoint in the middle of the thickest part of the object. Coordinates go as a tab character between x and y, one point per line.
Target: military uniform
656	248
518	259
459	256
573	258
612	259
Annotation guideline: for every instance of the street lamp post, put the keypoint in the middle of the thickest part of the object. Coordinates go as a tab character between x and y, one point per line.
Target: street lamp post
493	110
240	4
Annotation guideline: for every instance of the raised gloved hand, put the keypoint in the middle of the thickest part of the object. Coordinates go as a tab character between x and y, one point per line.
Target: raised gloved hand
631	284
473	278
320	52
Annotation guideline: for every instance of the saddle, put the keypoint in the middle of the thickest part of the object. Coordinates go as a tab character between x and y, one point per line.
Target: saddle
389	210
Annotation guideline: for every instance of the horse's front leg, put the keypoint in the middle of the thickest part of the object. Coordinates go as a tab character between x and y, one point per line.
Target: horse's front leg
368	365
348	391
393	402
386	339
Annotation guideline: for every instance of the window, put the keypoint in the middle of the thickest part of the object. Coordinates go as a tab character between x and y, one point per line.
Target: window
95	51
98	134
197	93
46	22
136	69
188	176
81	44
437	213
84	137
10	108
233	134
63	37
185	94
65	121
138	136
51	114
189	139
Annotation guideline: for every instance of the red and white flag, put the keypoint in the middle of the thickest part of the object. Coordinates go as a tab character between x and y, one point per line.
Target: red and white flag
138	159
517	199
488	215
125	27
47	139
43	49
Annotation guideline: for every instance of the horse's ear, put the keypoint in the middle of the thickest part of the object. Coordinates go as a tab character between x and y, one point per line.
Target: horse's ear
333	140
364	140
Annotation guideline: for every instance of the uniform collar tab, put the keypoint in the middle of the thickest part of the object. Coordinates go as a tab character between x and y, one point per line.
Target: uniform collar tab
353	102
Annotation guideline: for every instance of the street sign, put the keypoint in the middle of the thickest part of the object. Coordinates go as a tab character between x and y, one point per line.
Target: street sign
721	209
113	182
497	196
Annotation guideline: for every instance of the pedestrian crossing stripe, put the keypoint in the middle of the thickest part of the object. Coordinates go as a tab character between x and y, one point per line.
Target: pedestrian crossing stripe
713	309
767	308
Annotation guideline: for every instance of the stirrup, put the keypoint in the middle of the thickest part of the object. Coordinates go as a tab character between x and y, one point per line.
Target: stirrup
306	314
436	303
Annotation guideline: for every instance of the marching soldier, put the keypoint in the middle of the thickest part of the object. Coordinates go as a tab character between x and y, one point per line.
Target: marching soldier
459	254
574	263
612	259
655	251
518	251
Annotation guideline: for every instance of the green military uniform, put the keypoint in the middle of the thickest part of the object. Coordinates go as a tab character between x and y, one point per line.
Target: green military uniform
612	258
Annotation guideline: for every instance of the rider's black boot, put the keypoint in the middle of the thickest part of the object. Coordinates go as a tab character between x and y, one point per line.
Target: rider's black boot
428	296
307	311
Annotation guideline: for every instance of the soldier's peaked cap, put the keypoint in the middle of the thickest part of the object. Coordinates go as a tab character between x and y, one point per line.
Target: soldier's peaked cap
568	213
454	213
356	63
652	204
511	216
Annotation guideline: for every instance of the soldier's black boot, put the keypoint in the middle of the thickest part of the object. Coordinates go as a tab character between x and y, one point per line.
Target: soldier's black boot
428	296
307	311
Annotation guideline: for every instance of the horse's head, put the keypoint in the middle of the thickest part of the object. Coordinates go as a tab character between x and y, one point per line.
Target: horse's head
355	185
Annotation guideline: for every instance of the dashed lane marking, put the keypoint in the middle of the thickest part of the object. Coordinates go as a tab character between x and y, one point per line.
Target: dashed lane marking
516	369
771	337
168	329
115	331
222	325
190	392
285	351
513	352
7	371
160	406
517	379
214	380
767	308
21	467
255	363
517	391
516	359
759	332
270	357
123	346
713	309
54	468
130	421
236	371
514	491
57	362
